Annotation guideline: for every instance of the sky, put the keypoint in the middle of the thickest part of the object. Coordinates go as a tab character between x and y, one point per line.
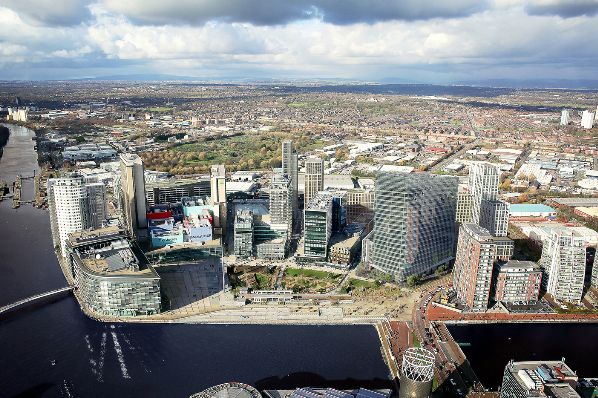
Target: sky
434	41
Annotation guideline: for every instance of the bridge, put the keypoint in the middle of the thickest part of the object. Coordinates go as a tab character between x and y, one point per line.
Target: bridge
31	299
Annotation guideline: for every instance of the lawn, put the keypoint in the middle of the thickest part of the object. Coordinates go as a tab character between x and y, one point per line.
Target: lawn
310	281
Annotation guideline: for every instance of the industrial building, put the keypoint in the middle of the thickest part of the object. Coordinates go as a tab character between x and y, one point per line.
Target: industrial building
538	379
414	224
531	210
112	275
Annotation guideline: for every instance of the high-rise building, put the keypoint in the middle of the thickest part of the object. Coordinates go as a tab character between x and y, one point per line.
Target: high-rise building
477	250
538	379
414	223
96	204
314	178
243	230
318	226
494	216
359	204
290	167
517	282
587	120
218	195
68	213
417	373
281	202
483	185
563	263
464	206
565	117
132	195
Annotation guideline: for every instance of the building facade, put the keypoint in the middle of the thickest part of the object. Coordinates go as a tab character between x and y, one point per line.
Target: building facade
517	282
132	195
474	265
243	230
290	167
494	217
314	178
112	276
281	203
172	191
218	196
67	204
414	223
96	204
483	185
563	264
318	226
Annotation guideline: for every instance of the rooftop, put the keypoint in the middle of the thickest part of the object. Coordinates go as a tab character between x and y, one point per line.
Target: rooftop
530	207
321	201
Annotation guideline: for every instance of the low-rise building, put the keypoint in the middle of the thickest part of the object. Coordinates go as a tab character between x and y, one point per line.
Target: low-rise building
275	249
113	276
96	152
538	379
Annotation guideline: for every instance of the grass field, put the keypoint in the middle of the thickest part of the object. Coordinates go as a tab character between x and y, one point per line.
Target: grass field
310	281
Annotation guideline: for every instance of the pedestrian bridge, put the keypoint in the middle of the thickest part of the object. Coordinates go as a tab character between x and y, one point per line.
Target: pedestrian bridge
32	299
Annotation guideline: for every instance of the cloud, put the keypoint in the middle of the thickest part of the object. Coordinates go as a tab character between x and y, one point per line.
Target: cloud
276	12
50	12
564	9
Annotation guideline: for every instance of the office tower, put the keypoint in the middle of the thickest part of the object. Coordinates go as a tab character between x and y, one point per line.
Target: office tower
290	167
132	195
417	373
414	223
494	216
517	282
281	202
318	226
95	204
314	178
66	202
563	263
359	204
477	250
565	118
243	230
587	120
218	195
483	185
594	279
538	379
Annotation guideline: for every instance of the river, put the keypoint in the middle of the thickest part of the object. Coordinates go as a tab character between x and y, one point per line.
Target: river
489	347
53	350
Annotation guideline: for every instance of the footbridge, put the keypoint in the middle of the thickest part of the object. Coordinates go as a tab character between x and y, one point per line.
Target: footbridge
32	299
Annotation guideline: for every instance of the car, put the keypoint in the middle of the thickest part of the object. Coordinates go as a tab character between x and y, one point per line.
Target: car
453	382
459	392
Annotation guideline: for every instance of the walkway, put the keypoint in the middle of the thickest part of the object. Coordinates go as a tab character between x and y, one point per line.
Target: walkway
34	298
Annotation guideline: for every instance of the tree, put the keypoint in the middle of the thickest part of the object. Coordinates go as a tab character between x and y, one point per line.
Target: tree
413	280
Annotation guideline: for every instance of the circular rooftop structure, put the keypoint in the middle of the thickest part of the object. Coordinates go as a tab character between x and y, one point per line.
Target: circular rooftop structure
418	364
229	390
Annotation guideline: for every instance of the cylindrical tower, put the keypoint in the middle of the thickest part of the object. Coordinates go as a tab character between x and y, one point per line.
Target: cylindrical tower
417	373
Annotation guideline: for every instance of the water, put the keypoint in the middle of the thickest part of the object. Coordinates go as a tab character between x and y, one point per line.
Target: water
53	350
492	346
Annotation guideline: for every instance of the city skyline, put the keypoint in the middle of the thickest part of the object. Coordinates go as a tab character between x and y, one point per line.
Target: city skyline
385	41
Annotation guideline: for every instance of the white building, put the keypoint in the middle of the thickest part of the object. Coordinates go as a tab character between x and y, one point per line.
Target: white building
564	265
587	120
66	200
565	117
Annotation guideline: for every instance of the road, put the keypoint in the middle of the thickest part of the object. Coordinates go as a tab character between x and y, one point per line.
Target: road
443	163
